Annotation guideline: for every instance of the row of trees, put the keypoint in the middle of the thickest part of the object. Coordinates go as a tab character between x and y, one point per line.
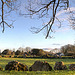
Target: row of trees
37	52
10	52
67	50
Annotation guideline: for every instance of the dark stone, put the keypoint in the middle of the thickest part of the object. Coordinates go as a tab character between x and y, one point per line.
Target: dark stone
17	66
40	66
60	66
72	66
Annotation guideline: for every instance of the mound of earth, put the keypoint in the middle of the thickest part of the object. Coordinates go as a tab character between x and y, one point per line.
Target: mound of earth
72	66
17	66
40	66
60	66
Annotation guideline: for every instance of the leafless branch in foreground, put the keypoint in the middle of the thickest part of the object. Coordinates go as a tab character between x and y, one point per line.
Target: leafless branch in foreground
72	21
47	8
9	4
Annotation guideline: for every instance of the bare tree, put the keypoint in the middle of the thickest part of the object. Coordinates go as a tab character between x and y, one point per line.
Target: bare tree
27	49
72	21
46	8
68	49
6	6
42	8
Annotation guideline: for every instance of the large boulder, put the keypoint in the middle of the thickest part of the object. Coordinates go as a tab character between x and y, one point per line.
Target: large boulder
60	66
17	66
1	69
72	66
40	66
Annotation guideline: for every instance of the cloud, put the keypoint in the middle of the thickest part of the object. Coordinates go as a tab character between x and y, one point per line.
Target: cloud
63	17
65	11
65	29
56	44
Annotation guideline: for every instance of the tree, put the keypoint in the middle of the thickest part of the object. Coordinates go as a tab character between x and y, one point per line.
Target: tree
18	52
21	49
6	7
7	52
43	8
72	21
38	52
13	53
68	49
27	49
34	51
48	8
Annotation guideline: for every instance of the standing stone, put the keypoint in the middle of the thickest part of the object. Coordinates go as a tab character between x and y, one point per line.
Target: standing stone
60	66
17	66
72	66
40	66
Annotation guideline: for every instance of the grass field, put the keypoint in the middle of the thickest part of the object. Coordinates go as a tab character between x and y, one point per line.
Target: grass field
30	61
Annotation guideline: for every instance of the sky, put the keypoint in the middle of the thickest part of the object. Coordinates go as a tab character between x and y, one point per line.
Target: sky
21	36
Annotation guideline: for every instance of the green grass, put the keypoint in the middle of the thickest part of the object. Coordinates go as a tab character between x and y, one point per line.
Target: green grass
30	61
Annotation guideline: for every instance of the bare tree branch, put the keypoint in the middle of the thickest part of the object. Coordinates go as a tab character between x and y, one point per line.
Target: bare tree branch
54	5
4	3
72	21
42	9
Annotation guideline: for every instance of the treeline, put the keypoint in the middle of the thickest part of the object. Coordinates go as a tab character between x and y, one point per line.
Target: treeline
34	52
67	50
